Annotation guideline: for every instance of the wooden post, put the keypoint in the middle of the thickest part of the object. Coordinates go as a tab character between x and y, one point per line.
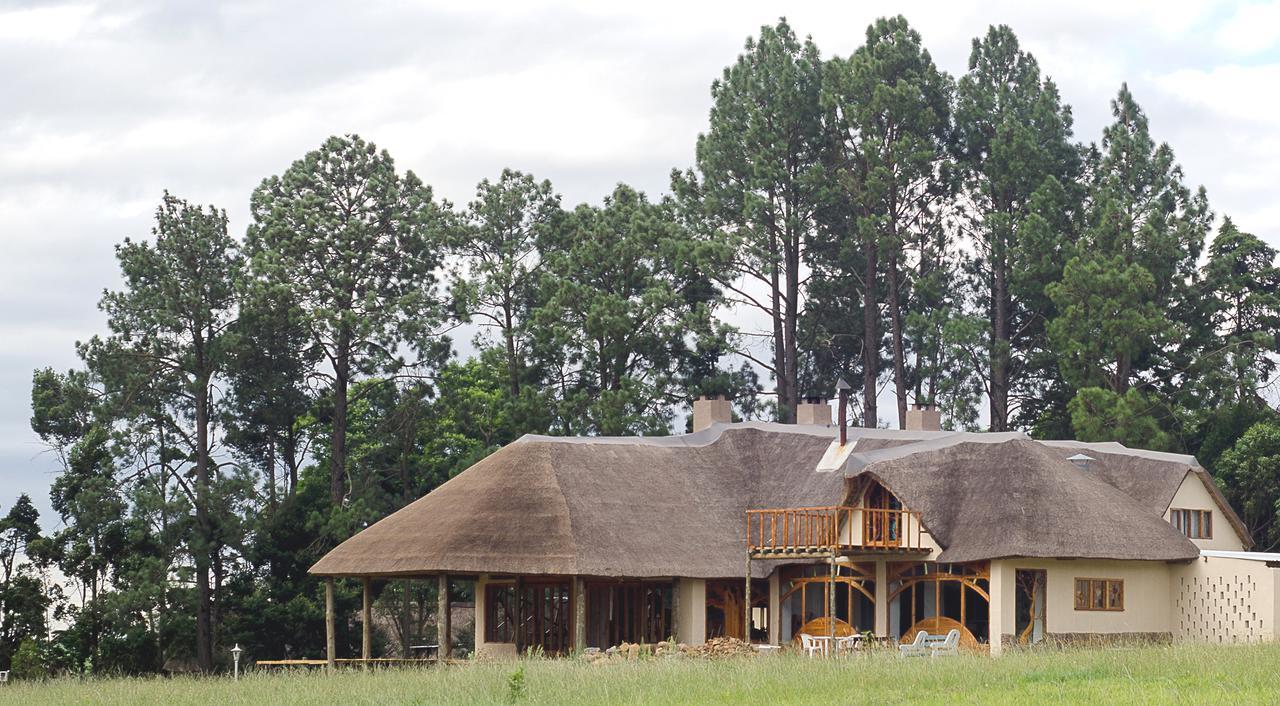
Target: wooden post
882	599
443	618
405	640
674	629
831	604
746	604
366	622
330	639
579	614
519	616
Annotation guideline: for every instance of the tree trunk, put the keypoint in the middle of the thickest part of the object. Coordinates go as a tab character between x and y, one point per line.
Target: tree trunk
870	335
790	368
200	552
338	460
786	414
895	323
1000	346
1123	367
513	369
271	471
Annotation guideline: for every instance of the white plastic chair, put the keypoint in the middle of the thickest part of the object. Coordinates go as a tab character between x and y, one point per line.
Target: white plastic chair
915	648
812	647
947	647
4	676
845	645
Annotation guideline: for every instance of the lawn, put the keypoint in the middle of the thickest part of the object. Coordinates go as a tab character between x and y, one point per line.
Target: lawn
1182	674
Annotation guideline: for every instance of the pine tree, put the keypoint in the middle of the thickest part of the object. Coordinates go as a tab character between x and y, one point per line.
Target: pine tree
755	185
357	246
889	106
1012	135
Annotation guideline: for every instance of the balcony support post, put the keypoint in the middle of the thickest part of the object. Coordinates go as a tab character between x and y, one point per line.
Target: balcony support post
831	603
746	604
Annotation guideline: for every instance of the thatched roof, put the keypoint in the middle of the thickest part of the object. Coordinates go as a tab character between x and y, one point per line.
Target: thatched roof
675	506
983	500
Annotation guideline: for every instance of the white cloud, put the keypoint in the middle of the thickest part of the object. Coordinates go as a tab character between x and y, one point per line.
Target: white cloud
1231	91
111	103
1252	29
56	24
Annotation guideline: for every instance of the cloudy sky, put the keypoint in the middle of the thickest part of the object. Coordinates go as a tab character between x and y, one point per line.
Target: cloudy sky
105	104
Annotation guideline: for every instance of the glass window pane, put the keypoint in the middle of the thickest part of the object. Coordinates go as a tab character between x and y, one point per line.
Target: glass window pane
1115	595
1082	594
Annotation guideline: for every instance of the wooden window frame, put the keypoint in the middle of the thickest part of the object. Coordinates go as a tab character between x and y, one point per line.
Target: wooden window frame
1181	519
508	634
1091	586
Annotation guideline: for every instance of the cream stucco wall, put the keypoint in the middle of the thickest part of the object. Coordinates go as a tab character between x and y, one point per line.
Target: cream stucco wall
1146	596
692	607
1192	495
775	606
1219	599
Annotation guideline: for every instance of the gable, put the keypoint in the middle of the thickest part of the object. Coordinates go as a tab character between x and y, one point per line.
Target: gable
1196	493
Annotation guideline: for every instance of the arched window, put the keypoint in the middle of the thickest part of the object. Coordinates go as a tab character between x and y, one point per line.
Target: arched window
807	594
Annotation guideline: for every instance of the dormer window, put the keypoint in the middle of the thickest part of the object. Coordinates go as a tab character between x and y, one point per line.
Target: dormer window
1195	524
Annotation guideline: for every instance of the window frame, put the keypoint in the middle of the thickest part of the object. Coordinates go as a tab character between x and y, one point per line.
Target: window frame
1193	523
507	635
1111	588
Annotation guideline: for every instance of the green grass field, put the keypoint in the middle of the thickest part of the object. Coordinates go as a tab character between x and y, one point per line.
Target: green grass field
1184	674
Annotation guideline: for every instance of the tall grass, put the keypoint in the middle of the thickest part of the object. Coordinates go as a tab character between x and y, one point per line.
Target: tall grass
1180	674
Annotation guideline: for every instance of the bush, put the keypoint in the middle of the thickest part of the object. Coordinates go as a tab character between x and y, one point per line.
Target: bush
29	662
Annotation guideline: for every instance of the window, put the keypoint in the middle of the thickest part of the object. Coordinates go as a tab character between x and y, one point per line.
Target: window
1099	594
628	612
534	614
1196	524
500	612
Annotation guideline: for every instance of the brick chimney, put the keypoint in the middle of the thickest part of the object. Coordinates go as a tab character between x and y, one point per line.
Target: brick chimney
814	410
710	410
924	417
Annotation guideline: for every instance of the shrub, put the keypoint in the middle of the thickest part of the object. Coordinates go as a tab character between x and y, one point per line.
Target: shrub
29	662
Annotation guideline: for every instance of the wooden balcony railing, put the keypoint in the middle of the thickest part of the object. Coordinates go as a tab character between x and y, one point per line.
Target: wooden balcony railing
837	528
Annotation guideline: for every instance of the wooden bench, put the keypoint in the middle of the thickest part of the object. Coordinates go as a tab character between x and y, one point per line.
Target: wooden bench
351	662
925	644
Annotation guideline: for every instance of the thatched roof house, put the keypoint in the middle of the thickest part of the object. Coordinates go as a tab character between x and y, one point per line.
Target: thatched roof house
892	510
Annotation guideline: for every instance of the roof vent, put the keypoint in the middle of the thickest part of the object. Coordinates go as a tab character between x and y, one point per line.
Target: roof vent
1081	461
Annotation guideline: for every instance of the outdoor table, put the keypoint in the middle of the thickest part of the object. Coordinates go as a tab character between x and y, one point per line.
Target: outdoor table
425	651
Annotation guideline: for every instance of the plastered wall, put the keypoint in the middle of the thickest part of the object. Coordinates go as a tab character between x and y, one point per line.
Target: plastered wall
1221	600
1146	602
1192	495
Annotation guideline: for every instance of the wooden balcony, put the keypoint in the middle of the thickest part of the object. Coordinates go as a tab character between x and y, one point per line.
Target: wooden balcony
825	531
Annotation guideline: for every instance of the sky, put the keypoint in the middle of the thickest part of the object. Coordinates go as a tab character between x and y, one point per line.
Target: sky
104	105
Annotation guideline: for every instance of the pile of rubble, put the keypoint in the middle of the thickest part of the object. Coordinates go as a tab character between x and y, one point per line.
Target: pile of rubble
726	647
716	647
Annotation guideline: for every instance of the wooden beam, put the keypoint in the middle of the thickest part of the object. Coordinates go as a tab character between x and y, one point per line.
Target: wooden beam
519	637
366	621
579	614
443	618
831	605
330	639
746	605
674	628
405	640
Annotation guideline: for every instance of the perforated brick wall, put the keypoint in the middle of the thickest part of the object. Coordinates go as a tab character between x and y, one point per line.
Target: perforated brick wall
1219	609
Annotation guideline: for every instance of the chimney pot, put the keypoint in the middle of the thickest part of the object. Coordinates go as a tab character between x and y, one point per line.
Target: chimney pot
924	417
814	410
708	411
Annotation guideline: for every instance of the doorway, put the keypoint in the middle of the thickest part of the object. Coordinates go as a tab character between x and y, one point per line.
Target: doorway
1029	606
